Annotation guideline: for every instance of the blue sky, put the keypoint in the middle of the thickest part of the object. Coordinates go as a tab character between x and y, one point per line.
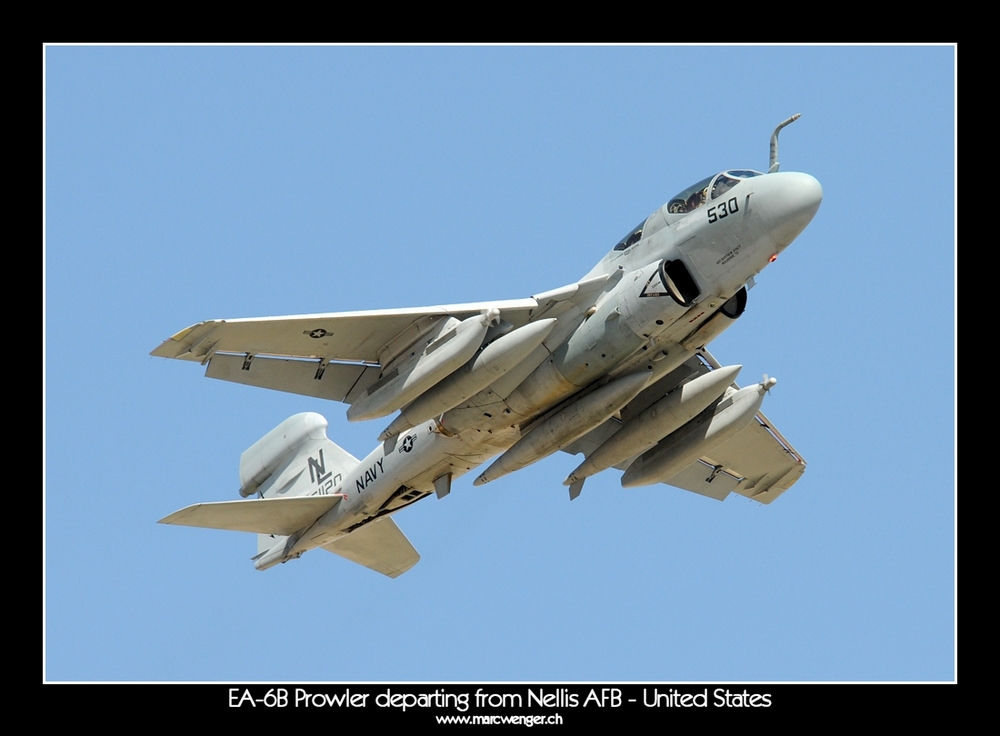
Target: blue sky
192	183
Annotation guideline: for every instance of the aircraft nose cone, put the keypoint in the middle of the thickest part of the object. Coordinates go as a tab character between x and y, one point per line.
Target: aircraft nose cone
790	201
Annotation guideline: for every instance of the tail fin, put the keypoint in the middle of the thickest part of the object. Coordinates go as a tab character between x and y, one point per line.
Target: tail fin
276	465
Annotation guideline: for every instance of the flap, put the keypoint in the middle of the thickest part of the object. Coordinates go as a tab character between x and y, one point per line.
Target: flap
333	381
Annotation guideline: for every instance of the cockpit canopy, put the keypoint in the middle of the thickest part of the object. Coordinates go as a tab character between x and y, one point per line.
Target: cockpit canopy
695	196
635	234
688	201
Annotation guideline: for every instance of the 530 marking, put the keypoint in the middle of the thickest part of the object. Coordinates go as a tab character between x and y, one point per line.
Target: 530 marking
723	209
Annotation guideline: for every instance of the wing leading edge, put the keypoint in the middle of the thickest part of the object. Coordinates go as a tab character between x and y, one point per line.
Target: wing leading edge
358	337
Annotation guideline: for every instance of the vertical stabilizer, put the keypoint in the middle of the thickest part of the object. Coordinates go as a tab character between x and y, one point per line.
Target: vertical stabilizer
294	459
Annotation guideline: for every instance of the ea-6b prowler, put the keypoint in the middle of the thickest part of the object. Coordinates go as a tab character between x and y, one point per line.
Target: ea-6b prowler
613	366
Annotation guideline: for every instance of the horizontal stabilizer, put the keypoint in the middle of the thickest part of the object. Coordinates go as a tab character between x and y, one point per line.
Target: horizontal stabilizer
379	545
279	516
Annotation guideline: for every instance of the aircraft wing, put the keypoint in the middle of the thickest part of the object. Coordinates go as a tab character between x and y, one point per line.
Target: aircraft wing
757	462
341	336
379	545
338	355
294	353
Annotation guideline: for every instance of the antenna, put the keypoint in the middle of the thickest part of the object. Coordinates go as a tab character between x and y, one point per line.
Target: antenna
774	142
